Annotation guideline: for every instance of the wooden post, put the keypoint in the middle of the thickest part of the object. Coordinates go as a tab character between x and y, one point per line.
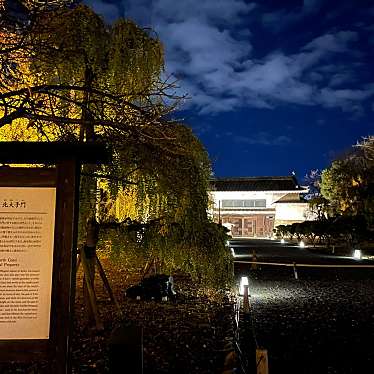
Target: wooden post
91	291
65	259
219	212
78	262
107	285
295	271
254	260
246	299
262	361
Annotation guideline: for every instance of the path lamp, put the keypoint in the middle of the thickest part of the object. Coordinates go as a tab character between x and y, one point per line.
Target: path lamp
282	241
357	254
301	244
243	282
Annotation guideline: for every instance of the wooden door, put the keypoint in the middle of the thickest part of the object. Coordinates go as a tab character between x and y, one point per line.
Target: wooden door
237	225
249	226
269	225
237	228
260	227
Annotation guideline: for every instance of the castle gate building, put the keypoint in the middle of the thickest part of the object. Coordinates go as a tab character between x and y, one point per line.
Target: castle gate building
252	207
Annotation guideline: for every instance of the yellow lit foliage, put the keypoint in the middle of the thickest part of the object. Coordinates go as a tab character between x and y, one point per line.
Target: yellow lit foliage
125	204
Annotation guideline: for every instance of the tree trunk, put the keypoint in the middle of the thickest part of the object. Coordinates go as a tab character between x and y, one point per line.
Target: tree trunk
88	224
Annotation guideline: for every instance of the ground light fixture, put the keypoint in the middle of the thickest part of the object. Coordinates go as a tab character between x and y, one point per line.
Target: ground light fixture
301	244
357	254
232	252
282	241
243	282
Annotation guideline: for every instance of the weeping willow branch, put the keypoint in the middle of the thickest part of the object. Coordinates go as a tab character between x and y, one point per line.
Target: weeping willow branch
159	168
109	177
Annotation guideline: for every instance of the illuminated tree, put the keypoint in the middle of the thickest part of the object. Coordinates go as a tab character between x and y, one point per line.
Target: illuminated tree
367	147
19	20
320	207
348	183
78	79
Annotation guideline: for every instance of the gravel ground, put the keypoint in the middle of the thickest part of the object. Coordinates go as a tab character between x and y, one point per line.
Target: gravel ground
320	323
191	335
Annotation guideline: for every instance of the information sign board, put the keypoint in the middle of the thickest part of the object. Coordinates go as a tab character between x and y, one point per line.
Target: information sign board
27	219
38	249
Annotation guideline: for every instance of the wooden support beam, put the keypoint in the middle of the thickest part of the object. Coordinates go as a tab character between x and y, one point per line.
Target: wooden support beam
262	361
52	152
107	285
91	291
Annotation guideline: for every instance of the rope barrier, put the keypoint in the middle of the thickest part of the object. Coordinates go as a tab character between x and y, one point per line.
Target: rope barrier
305	265
261	354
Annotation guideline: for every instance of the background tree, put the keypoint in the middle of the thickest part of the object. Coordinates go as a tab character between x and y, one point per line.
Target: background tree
367	145
320	207
348	183
313	181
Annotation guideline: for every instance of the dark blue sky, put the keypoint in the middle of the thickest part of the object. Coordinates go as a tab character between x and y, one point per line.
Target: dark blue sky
274	86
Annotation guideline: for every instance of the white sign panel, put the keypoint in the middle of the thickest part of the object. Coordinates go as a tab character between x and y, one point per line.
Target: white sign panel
27	218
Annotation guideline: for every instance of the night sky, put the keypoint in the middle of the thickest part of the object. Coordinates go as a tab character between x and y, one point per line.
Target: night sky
274	86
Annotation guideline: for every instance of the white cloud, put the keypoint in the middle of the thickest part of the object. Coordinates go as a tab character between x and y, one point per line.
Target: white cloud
261	138
338	42
221	74
209	47
341	78
344	97
172	11
205	48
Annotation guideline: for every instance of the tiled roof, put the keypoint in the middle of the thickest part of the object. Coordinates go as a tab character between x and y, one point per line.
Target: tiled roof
287	183
291	198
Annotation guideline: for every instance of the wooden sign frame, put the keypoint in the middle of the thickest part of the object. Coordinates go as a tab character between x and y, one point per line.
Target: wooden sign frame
65	178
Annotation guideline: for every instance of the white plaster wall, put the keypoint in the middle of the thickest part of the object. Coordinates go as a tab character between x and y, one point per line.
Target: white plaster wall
291	211
240	195
269	196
